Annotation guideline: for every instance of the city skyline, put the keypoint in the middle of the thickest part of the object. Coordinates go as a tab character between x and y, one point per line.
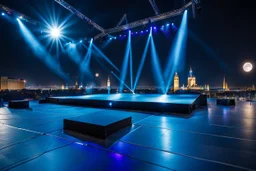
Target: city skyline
211	56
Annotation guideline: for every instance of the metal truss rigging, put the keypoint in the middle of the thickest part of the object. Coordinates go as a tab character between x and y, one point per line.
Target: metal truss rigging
145	21
79	14
19	15
154	6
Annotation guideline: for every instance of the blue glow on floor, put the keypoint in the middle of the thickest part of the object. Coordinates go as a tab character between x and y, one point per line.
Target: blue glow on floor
177	99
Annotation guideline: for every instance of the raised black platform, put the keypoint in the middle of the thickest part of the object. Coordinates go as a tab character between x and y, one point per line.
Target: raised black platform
183	103
18	104
226	102
42	101
99	125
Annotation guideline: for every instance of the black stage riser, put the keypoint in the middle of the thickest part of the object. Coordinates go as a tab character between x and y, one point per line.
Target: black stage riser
141	106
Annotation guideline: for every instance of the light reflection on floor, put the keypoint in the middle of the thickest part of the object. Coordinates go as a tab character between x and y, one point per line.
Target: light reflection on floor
181	99
217	138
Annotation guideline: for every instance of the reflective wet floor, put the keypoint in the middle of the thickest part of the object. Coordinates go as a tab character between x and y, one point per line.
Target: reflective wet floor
213	138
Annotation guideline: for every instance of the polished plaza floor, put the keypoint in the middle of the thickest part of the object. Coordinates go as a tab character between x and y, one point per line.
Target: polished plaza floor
213	138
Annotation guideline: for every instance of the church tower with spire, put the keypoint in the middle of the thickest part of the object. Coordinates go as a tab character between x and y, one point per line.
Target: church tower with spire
108	85
191	79
176	82
225	85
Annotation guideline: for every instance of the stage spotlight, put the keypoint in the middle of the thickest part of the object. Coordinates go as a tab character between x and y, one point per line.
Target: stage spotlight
21	17
110	104
141	31
110	38
3	14
17	19
167	25
173	24
154	28
55	32
81	41
136	32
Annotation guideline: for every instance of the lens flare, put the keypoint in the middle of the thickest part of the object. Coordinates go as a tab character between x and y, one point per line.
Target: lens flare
55	32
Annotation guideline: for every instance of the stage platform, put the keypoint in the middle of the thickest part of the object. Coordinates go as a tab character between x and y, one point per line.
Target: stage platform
183	103
99	125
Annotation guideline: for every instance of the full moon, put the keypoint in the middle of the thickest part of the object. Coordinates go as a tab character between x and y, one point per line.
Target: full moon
247	67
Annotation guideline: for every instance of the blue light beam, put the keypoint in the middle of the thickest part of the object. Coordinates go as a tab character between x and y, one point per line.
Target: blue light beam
85	64
73	53
121	82
176	60
125	63
40	52
100	53
156	65
131	66
141	63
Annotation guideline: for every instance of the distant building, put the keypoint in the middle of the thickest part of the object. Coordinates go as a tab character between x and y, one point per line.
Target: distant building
108	85
11	83
225	85
191	79
108	82
176	82
76	85
208	87
253	88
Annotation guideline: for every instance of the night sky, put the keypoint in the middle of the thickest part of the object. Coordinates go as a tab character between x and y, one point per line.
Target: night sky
220	40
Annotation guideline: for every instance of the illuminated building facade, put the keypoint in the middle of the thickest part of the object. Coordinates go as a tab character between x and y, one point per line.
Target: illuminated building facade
176	82
108	82
225	85
108	85
11	83
76	85
191	79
